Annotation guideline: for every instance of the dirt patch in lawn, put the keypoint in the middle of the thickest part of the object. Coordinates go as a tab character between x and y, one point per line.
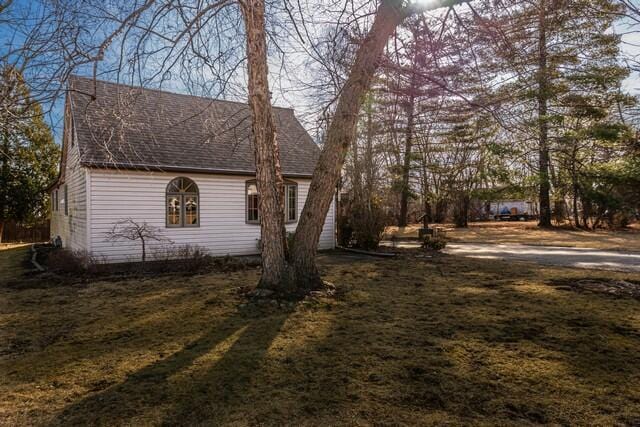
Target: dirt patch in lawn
443	340
613	287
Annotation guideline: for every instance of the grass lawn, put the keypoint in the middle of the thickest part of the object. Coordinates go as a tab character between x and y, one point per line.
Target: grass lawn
12	259
528	233
404	341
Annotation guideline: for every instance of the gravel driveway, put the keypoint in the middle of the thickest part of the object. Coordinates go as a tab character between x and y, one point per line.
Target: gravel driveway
551	255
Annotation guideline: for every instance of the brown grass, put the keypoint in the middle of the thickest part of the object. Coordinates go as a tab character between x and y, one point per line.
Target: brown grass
12	260
415	342
528	233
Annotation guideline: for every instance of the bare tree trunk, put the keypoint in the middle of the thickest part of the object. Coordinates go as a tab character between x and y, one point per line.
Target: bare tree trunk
4	179
339	137
441	211
357	171
406	165
574	181
368	156
267	158
461	210
426	218
543	123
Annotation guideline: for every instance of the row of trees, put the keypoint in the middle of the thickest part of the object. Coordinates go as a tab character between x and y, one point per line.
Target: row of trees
525	98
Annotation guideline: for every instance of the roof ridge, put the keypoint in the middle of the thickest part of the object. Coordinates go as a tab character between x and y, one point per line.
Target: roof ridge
246	104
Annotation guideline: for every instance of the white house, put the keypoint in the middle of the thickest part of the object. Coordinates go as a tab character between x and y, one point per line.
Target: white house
183	164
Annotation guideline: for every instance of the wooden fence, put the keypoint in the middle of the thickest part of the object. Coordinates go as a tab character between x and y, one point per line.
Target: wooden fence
16	232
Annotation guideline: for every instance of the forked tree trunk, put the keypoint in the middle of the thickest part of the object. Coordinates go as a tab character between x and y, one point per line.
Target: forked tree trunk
338	140
268	172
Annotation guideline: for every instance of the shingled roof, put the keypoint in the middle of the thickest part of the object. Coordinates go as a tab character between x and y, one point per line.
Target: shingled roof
129	127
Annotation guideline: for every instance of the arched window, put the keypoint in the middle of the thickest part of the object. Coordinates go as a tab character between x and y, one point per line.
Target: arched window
182	203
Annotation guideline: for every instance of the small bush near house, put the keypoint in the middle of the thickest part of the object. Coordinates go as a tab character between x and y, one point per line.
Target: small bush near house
182	258
364	226
65	261
196	259
434	243
179	259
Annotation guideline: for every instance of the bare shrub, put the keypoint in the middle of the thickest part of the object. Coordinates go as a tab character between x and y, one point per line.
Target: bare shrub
366	222
182	258
194	259
65	261
128	229
434	243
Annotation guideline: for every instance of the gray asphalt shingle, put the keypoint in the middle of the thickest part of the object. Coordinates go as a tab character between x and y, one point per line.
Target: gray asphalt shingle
134	128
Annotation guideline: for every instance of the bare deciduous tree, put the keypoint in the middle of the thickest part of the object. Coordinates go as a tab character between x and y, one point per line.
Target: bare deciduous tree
128	229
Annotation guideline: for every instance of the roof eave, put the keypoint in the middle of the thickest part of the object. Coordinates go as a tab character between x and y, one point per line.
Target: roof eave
175	168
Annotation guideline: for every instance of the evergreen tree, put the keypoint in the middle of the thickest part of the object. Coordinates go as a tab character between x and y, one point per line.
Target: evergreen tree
543	45
28	153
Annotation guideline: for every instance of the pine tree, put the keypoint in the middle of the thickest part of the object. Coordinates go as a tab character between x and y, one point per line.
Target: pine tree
28	153
541	45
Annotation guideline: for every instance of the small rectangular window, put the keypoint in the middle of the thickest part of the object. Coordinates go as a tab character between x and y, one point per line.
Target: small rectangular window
291	203
66	200
173	211
252	203
190	211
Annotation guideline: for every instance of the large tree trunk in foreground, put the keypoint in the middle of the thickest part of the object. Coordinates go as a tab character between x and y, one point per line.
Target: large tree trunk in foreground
339	138
543	122
267	158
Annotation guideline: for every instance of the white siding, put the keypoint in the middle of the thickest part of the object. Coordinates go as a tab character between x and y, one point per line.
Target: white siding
117	195
71	228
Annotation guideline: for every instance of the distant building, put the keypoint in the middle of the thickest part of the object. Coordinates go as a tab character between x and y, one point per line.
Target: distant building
512	209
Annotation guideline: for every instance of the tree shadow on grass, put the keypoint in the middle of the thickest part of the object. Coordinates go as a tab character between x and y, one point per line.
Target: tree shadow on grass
202	382
468	351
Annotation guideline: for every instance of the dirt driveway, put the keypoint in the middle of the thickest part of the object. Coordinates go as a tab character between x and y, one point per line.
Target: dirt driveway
530	234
